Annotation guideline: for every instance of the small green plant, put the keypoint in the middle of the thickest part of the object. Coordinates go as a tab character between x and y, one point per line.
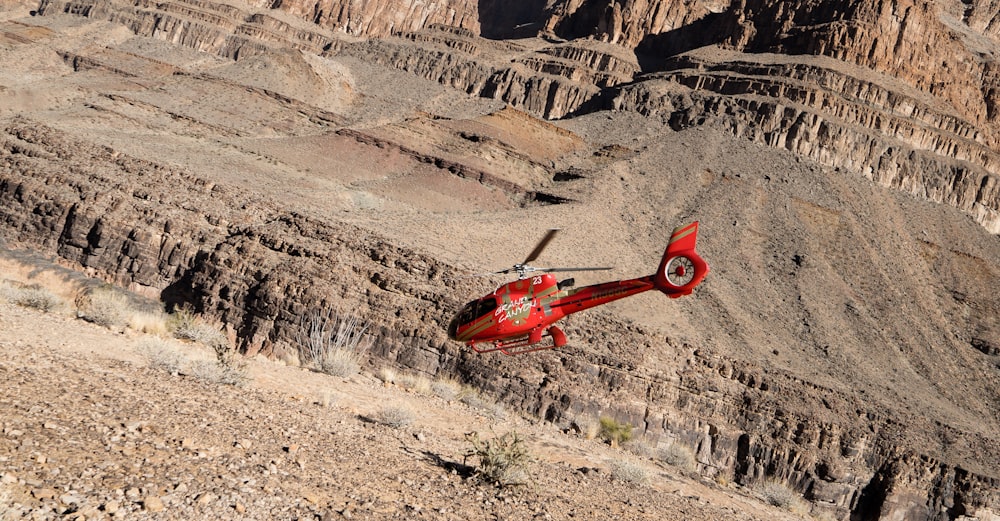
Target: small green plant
333	343
395	416
629	472
503	460
614	432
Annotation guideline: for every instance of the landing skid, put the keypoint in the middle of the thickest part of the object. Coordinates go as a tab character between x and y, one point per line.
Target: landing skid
553	338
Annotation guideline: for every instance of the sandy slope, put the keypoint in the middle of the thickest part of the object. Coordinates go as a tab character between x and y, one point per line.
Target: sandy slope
89	430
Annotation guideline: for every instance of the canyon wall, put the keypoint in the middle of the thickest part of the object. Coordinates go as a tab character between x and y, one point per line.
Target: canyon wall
243	259
859	87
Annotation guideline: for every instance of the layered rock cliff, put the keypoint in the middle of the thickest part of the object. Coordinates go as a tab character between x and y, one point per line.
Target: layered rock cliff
241	257
856	87
886	96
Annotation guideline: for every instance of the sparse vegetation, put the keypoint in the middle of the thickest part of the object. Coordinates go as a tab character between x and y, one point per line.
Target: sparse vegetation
395	416
104	306
229	368
148	323
161	354
30	296
186	325
639	447
447	390
332	343
677	455
387	375
502	461
782	496
629	472
326	399
416	383
587	426
614	432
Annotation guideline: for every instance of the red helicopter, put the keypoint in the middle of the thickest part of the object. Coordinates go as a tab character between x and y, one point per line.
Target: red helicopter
517	315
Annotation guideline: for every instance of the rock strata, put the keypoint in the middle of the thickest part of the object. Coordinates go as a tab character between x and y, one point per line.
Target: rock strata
798	264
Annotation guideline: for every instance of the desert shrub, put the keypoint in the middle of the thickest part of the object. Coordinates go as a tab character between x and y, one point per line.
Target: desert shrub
629	472
149	323
639	447
395	416
160	354
33	296
332	343
186	325
446	389
387	375
677	455
782	496
502	461
416	383
587	426
227	369
614	432
104	306
326	399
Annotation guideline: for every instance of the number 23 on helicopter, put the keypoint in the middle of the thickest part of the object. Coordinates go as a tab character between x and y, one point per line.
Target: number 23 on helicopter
519	316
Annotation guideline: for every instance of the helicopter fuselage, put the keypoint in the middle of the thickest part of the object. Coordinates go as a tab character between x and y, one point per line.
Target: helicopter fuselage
530	305
516	315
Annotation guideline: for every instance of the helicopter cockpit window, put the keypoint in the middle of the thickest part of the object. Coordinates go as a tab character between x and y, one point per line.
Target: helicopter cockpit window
476	309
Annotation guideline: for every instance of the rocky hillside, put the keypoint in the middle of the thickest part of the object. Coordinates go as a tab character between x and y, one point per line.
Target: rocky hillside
261	161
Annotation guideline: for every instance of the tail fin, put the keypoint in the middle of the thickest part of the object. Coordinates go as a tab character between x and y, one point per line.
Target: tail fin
681	268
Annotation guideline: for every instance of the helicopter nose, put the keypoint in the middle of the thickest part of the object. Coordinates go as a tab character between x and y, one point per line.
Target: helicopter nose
453	329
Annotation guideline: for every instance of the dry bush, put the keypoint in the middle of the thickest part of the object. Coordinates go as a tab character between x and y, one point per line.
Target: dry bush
614	432
227	369
447	390
105	307
333	343
677	455
782	496
326	399
629	472
503	460
387	375
416	383
161	354
395	416
471	397
186	325
587	426
148	323
31	296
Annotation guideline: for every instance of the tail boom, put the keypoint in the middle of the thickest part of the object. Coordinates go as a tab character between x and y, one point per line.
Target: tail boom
681	268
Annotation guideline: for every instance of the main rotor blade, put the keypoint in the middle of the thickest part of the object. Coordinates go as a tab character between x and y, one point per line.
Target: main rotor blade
553	270
541	245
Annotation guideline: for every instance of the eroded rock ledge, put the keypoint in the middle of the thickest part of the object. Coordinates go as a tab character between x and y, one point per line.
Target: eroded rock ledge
243	259
877	104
